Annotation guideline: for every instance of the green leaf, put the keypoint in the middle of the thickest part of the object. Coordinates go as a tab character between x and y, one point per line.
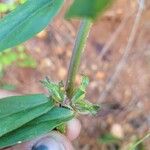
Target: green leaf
15	104
78	96
88	8
57	113
85	107
62	128
85	83
57	91
18	56
78	100
79	93
27	20
37	127
16	120
108	139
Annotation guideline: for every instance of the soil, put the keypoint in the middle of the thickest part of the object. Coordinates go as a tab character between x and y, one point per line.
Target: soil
125	107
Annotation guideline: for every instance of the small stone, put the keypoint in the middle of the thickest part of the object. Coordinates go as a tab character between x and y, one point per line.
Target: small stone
100	75
68	53
133	4
38	50
128	93
78	79
62	73
68	50
117	131
109	14
93	84
59	50
46	62
119	12
110	119
94	67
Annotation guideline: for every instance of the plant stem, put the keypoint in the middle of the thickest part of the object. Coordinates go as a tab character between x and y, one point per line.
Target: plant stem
76	55
133	147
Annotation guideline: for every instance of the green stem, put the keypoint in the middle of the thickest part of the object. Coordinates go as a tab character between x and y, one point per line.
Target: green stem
140	141
76	55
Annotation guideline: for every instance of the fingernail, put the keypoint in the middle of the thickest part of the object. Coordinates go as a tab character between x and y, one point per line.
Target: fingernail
49	143
40	147
53	141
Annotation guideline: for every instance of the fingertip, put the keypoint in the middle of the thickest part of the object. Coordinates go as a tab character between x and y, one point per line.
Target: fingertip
73	129
52	141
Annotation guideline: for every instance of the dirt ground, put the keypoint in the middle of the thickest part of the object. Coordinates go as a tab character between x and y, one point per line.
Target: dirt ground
125	101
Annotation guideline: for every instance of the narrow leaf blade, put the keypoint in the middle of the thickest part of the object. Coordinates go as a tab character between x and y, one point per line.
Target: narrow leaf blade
27	20
87	8
37	127
17	120
14	104
57	113
53	88
85	107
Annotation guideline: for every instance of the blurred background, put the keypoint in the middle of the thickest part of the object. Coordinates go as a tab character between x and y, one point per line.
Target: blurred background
117	65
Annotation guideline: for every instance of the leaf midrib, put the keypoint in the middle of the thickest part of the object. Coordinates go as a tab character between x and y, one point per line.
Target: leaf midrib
27	18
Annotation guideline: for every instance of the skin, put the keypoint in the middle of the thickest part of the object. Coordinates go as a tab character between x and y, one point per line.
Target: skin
51	141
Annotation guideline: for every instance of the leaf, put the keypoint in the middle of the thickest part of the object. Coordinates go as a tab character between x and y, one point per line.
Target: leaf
108	139
56	91
79	93
79	102
37	127
16	120
88	8
15	104
85	82
78	96
57	113
27	20
85	107
62	128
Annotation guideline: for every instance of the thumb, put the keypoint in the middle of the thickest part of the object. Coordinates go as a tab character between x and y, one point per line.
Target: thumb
53	141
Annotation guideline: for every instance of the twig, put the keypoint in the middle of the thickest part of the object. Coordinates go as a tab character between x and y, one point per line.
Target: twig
113	38
124	58
140	141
